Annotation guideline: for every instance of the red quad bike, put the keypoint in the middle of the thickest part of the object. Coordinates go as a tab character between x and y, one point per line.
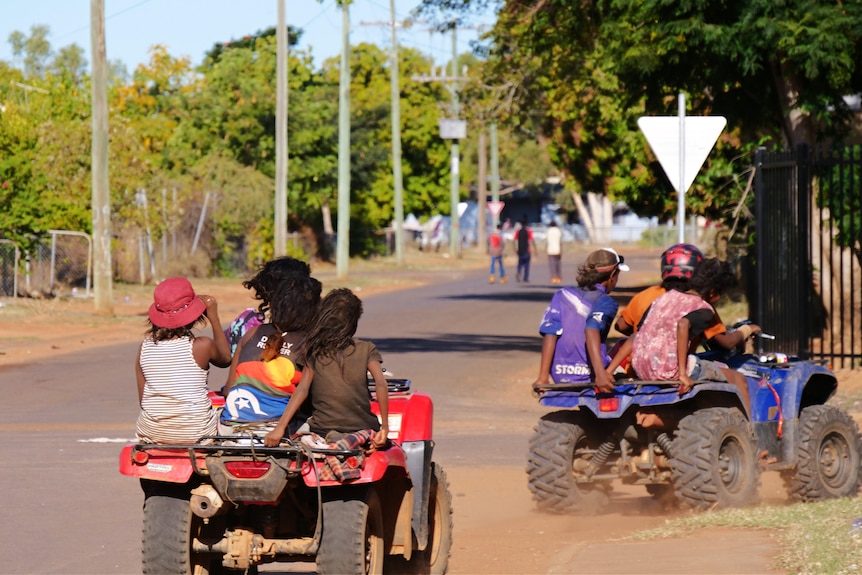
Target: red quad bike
229	504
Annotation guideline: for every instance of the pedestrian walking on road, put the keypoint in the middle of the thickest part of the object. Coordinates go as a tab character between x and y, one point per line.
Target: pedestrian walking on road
526	246
496	250
554	248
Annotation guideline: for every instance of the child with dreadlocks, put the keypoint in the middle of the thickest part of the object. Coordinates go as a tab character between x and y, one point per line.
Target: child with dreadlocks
336	372
264	284
267	364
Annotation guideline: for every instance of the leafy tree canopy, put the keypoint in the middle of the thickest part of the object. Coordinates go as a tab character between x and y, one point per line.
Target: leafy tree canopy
585	71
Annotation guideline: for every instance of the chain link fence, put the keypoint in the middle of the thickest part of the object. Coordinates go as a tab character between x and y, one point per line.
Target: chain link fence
8	266
58	265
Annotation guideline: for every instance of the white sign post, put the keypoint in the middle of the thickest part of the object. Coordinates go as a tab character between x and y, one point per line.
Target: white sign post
495	208
681	145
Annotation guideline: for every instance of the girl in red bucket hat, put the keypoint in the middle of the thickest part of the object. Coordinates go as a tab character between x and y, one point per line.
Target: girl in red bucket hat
173	366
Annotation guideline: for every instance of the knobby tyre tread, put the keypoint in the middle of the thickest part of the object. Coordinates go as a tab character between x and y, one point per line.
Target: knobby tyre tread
828	464
551	479
352	538
715	460
434	559
169	527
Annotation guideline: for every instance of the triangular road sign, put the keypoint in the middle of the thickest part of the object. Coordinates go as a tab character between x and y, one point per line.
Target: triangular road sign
662	133
495	207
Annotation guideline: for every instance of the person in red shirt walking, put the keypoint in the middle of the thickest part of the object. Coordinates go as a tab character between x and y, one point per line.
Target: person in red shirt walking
496	249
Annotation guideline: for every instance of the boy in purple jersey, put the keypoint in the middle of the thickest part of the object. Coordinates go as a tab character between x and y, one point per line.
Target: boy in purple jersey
576	324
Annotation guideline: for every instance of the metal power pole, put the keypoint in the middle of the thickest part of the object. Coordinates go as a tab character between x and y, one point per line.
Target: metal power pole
452	129
495	169
454	173
681	191
396	142
482	187
342	254
101	196
281	62
395	98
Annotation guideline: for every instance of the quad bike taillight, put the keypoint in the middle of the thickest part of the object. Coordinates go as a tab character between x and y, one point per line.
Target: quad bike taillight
609	404
140	457
247	469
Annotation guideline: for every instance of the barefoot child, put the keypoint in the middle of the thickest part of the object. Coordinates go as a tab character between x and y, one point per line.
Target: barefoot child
336	373
173	365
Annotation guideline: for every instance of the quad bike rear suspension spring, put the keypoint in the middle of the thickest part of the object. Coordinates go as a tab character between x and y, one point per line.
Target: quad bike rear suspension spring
600	456
665	443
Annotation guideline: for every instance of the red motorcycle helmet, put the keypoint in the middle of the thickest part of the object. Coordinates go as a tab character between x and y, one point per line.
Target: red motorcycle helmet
678	261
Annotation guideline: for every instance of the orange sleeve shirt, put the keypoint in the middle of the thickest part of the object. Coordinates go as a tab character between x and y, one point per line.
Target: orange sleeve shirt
638	305
716	327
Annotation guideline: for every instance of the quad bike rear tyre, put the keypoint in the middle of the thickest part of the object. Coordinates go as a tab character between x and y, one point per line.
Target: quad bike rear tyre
714	463
434	559
169	529
556	443
352	538
828	465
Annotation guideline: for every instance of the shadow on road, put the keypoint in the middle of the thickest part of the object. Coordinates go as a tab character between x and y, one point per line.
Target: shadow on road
459	342
539	293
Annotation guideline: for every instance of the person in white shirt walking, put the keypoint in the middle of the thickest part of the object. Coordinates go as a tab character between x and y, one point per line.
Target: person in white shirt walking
554	247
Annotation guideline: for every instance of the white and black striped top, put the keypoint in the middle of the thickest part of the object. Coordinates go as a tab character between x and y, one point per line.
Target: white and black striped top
174	407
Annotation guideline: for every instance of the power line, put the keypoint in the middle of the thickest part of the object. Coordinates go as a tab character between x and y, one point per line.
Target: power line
115	14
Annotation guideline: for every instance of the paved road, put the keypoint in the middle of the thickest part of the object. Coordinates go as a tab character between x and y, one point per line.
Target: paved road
68	510
472	346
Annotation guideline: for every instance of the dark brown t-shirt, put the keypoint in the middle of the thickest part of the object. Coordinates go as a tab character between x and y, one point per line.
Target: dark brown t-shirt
339	397
289	348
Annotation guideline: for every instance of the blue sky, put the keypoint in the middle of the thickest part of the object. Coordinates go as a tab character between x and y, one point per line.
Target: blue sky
191	27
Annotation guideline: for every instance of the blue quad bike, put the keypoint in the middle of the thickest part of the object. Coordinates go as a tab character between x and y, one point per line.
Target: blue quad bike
700	449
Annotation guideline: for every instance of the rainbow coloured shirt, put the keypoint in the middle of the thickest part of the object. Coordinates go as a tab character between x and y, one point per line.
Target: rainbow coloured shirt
261	389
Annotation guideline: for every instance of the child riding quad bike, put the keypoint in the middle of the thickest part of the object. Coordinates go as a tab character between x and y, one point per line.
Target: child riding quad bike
701	447
228	504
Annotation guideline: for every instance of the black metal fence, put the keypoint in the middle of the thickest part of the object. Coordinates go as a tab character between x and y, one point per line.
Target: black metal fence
808	258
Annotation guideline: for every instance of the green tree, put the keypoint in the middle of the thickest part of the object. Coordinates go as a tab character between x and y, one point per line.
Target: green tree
33	50
44	156
425	156
777	70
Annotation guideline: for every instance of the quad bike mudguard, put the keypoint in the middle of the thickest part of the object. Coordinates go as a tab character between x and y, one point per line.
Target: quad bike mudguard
627	393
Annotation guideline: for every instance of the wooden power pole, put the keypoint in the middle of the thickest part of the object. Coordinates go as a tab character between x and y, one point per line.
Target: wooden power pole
101	196
281	62
342	251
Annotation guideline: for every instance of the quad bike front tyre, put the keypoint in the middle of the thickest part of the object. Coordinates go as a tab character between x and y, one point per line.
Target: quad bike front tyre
558	440
169	529
828	464
352	538
434	559
714	463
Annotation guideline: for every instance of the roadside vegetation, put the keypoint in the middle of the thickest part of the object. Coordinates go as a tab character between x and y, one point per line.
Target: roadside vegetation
192	150
564	84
